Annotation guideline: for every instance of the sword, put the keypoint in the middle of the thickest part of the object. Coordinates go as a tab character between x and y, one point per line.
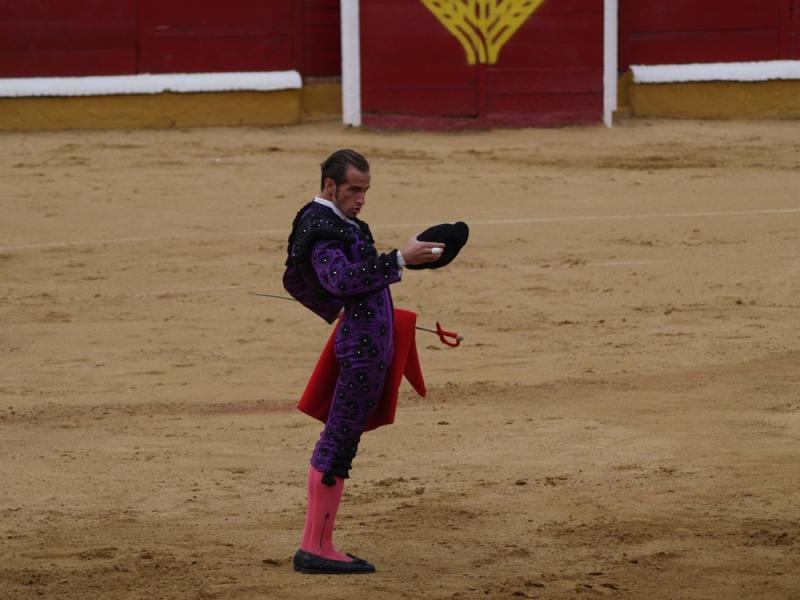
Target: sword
448	338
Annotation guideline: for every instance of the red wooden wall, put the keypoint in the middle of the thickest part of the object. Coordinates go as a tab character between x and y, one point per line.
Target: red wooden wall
321	39
552	67
113	37
410	64
415	73
216	35
48	37
687	31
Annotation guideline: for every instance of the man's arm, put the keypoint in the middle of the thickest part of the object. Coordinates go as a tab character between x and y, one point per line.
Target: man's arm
310	296
343	277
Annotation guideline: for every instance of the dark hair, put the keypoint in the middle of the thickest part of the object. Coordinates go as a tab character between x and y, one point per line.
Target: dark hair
335	166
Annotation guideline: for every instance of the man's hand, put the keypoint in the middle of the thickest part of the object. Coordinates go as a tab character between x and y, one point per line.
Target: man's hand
416	252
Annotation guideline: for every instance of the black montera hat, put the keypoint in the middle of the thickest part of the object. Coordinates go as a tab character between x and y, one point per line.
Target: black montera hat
452	235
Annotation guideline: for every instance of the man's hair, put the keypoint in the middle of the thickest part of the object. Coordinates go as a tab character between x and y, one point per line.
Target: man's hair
335	166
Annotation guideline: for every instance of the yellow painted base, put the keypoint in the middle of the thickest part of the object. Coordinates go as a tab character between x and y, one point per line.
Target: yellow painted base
165	110
716	100
624	84
316	101
322	100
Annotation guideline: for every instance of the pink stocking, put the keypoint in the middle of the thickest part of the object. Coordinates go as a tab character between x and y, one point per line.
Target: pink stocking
323	504
307	531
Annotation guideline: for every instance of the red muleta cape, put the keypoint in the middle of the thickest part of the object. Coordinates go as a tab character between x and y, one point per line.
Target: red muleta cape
317	398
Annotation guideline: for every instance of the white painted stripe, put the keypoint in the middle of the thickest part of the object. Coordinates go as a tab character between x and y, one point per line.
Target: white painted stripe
734	71
629	263
528	221
351	63
610	59
667	261
733	213
263	81
134	240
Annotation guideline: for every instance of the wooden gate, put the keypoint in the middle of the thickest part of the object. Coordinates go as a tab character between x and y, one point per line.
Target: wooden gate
529	63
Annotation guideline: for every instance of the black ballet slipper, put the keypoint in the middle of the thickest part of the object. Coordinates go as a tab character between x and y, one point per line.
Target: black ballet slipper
305	562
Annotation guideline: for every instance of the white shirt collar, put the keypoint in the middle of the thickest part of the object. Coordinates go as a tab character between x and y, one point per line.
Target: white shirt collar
335	209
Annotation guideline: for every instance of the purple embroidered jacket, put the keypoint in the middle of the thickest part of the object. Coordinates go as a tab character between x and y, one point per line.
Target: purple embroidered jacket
326	291
332	264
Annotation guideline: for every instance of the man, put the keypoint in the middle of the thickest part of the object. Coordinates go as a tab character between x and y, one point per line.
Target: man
333	268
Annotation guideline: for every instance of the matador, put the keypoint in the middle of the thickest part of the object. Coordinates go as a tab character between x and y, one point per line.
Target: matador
333	269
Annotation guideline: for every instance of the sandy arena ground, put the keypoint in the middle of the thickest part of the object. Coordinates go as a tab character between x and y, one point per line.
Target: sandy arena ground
622	420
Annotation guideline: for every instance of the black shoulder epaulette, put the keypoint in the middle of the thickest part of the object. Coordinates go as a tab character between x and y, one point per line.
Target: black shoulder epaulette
312	224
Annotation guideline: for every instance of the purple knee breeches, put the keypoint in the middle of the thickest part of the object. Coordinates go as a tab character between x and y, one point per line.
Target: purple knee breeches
333	262
364	347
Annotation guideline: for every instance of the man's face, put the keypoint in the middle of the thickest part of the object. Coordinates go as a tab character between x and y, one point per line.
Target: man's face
351	195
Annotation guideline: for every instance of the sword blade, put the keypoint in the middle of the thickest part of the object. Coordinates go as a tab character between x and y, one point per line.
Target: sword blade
459	336
273	296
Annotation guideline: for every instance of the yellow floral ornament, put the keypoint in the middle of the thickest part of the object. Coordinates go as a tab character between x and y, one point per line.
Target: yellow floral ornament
482	26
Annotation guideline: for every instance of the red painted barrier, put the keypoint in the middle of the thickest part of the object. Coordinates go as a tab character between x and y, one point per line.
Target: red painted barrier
47	37
217	35
415	71
552	65
688	31
116	37
411	65
793	38
320	39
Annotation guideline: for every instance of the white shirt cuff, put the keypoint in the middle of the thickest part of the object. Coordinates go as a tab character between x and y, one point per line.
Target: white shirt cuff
401	262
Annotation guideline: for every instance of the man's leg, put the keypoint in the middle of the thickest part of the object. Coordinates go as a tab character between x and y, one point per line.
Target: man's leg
322	512
307	531
363	361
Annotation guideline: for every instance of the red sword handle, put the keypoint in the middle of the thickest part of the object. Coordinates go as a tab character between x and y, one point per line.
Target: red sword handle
444	335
